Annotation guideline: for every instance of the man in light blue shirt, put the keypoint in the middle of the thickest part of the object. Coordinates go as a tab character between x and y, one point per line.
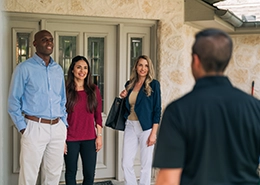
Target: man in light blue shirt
36	105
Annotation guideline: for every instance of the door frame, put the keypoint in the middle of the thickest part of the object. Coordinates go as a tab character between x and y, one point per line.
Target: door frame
121	55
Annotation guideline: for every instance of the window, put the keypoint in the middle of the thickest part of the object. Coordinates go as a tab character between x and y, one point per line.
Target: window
136	50
23	49
96	59
67	50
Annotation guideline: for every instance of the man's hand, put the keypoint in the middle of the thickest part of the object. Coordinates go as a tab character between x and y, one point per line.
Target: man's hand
65	149
22	131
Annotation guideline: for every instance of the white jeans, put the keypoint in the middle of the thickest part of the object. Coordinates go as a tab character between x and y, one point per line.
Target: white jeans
133	136
42	145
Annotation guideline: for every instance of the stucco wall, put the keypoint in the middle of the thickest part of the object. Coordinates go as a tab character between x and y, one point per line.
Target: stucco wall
175	38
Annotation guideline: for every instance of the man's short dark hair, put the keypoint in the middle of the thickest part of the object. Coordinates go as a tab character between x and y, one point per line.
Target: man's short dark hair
214	49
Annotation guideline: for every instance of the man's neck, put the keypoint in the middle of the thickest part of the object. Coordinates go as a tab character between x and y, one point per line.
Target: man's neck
45	58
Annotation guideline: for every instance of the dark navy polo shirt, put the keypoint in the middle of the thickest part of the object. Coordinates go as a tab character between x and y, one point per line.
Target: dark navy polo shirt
213	134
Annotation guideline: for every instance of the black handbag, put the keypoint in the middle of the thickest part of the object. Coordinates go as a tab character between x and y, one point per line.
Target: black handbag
115	118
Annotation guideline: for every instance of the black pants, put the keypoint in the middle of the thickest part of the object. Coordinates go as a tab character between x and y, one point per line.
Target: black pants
87	151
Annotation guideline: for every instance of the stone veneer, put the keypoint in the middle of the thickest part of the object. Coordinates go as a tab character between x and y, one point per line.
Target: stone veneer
174	38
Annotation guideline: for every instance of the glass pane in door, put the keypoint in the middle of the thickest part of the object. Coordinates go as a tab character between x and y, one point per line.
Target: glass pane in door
96	58
23	49
136	50
67	50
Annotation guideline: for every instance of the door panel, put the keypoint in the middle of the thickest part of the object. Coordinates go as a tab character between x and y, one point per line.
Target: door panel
141	36
107	84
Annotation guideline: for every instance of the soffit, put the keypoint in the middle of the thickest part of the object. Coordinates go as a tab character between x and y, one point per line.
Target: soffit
203	14
212	1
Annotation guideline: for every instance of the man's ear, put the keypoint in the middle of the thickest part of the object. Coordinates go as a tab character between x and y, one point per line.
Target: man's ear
196	61
34	43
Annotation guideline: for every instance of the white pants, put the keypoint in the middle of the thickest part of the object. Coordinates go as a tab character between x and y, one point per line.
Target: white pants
42	145
133	136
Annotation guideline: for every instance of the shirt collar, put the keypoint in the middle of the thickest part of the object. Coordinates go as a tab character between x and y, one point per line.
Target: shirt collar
212	81
40	60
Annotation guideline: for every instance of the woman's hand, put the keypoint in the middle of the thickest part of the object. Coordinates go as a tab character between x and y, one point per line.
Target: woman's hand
123	94
98	143
153	135
151	139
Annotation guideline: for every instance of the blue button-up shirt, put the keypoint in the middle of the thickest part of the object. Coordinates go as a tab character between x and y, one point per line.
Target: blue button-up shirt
37	90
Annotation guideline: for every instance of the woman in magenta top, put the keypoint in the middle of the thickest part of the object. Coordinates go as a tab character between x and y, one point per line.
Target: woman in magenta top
84	136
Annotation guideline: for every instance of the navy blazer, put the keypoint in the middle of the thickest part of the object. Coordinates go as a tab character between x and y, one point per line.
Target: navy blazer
147	109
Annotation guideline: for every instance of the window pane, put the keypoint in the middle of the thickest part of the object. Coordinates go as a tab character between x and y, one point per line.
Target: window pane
96	59
136	50
23	49
67	50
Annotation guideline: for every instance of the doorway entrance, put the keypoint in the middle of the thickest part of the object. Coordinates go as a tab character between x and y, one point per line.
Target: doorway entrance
110	45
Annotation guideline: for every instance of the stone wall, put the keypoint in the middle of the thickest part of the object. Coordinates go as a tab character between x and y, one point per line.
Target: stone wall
174	38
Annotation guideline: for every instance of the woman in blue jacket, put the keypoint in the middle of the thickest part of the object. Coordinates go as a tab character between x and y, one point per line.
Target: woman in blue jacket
143	103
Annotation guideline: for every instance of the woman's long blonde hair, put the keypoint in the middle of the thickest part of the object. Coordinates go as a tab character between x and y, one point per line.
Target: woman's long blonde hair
149	78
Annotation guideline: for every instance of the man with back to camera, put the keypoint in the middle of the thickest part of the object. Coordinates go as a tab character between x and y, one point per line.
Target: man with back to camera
210	136
36	105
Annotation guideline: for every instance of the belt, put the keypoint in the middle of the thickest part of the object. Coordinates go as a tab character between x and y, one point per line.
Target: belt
42	120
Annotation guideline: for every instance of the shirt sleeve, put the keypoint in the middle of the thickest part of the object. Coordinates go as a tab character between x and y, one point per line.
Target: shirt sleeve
63	103
157	102
170	147
98	112
15	98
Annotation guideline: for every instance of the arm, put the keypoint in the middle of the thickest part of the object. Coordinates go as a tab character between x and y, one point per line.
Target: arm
15	99
157	109
98	120
170	150
99	138
157	114
169	176
63	102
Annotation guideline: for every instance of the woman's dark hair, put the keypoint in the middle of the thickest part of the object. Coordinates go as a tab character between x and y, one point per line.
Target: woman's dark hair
89	88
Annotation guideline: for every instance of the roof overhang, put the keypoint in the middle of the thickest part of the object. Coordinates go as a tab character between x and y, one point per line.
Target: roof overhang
212	1
202	14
